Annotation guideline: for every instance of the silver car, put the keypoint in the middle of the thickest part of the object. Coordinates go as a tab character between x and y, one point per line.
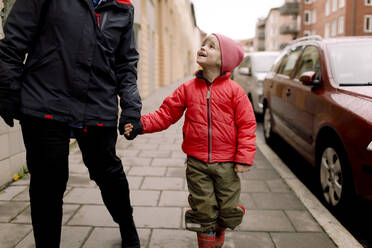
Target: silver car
251	73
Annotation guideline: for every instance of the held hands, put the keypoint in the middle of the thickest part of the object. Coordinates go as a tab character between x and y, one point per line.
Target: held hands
240	168
128	129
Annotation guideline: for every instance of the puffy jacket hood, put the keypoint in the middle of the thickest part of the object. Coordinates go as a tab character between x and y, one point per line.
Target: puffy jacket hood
232	53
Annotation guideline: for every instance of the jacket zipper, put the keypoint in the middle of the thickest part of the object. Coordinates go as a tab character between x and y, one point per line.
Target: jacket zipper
209	123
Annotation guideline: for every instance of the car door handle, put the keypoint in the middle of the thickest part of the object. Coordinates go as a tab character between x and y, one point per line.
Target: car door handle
288	93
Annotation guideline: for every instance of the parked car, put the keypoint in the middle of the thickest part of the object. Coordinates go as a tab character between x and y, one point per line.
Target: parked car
318	98
251	73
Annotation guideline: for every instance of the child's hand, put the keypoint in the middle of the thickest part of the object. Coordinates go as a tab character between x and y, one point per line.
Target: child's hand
128	129
240	168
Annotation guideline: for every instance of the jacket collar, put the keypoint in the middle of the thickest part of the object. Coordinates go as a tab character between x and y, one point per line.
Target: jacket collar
222	77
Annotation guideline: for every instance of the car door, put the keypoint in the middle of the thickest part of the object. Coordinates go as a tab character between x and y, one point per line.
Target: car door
281	90
302	100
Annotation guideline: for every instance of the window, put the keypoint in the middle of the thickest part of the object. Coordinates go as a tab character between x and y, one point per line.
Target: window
313	18
341	20
334	5
368	2
307	32
309	61
341	3
289	62
307	1
334	28
328	7
326	30
307	17
368	23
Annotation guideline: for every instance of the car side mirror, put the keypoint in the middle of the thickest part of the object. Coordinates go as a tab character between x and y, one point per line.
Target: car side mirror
308	78
245	71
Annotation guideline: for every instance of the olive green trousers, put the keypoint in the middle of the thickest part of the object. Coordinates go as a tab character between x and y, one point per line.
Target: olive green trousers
214	196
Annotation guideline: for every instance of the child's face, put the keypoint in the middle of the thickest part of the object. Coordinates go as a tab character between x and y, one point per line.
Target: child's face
209	55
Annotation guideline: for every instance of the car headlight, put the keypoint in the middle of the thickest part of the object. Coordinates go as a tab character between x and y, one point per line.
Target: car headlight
369	147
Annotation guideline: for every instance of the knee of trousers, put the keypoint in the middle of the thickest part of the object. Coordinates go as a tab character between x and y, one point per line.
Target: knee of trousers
200	222
231	217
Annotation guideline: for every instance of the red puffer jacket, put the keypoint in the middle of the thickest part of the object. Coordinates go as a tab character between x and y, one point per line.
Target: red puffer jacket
219	122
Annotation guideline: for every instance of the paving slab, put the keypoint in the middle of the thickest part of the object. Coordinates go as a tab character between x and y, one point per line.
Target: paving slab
135	161
163	183
25	216
266	221
173	238
253	186
277	200
176	172
23	196
10	192
277	185
154	154
157	217
147	171
174	199
91	215
260	174
11	234
71	237
302	240
169	162
144	197
110	238
248	239
303	221
9	210
84	196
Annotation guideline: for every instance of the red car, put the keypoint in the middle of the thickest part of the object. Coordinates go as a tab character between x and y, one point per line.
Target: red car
318	98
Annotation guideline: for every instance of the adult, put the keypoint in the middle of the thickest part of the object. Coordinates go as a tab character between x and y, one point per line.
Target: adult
81	56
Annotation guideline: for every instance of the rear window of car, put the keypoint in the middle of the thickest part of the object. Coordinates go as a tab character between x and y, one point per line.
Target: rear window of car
351	62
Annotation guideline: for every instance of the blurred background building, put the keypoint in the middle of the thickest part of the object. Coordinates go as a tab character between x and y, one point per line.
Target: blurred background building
331	18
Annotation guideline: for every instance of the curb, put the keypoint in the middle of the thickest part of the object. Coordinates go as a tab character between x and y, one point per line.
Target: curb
339	235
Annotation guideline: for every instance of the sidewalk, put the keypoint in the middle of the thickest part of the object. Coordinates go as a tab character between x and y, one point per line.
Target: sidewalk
275	217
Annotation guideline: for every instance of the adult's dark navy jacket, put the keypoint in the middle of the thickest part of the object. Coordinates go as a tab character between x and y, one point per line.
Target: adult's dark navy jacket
79	59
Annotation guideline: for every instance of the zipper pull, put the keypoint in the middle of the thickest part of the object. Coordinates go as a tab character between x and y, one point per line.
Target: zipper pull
209	94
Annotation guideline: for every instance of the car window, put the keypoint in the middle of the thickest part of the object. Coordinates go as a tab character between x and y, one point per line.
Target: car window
246	62
289	61
309	61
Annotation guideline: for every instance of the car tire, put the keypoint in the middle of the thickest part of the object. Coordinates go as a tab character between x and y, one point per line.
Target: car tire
267	127
335	178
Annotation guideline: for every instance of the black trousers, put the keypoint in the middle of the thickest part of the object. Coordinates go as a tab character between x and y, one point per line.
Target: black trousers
47	150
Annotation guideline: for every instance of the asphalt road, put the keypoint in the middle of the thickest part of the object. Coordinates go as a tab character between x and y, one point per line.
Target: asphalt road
357	220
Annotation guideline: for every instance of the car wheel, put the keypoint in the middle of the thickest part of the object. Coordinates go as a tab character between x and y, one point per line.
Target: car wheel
267	127
335	176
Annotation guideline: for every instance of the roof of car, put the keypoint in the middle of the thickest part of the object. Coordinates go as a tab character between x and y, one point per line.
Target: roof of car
319	39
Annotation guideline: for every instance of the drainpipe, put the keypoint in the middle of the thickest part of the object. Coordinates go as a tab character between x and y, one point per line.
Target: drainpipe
354	16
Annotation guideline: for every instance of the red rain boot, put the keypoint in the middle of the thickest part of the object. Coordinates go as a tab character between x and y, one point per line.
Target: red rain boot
206	240
220	237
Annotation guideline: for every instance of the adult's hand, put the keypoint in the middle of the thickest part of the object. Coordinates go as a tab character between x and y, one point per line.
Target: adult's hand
136	128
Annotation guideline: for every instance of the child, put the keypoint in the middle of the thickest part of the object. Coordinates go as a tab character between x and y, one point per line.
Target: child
218	138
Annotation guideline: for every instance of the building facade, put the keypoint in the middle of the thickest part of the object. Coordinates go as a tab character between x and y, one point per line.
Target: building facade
331	18
274	40
259	38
